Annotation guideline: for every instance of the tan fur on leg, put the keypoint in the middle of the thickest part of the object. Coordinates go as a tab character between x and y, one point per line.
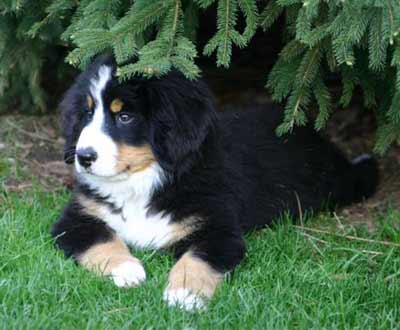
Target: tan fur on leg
194	275
102	258
114	259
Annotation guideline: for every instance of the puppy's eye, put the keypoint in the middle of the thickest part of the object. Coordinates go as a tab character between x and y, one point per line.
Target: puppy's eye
125	118
90	112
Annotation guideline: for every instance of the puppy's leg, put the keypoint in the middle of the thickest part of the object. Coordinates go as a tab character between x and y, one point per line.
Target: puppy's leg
190	281
112	258
198	272
91	243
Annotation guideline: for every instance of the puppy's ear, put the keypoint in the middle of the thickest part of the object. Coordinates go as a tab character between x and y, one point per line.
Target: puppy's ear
182	116
72	121
75	101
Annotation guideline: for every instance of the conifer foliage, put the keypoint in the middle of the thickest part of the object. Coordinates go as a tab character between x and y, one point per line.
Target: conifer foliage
356	40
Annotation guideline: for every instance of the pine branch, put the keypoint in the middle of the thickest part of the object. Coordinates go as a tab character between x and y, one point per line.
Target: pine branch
54	11
270	14
386	135
282	78
250	12
204	3
324	101
226	35
142	14
349	82
377	43
169	49
300	96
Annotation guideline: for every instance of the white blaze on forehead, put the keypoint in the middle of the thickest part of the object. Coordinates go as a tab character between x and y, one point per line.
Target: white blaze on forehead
98	85
93	135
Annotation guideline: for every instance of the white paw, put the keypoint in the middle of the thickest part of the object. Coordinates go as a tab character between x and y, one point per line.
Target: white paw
183	298
128	274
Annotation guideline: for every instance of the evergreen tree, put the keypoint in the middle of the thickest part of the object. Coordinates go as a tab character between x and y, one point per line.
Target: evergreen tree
355	39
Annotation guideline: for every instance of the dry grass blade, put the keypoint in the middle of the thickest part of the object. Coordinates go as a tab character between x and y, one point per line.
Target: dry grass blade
30	134
348	237
299	208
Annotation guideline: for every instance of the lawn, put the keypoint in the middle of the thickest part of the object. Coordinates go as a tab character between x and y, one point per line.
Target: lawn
290	278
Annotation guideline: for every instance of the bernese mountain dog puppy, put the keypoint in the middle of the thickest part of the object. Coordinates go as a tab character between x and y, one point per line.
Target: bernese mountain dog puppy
158	167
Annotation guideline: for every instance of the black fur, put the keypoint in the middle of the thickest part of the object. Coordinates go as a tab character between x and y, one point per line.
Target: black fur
229	169
75	231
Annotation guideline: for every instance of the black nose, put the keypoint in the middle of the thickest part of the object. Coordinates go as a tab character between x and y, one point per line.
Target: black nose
86	156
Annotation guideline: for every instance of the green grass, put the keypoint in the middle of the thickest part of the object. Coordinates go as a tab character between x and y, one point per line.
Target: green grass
287	280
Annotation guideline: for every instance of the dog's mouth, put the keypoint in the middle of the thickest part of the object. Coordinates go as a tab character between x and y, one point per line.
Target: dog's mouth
88	173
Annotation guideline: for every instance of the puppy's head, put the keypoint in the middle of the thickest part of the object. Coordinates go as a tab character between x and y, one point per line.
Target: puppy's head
114	128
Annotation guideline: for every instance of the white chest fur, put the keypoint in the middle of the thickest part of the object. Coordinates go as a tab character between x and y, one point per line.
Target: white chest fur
136	226
130	194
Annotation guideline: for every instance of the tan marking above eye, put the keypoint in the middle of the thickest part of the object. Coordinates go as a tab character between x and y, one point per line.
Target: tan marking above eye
116	105
89	101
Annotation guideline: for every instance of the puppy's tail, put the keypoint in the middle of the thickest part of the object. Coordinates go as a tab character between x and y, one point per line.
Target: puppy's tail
366	177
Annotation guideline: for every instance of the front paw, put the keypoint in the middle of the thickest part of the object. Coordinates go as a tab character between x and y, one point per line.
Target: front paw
128	274
190	282
183	298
